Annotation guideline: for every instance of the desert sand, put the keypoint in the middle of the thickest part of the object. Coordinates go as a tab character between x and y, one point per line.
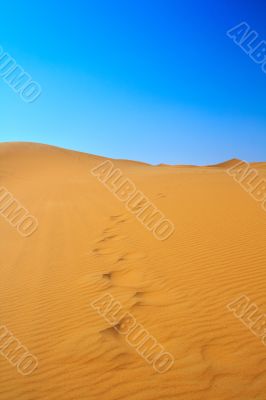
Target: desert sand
88	244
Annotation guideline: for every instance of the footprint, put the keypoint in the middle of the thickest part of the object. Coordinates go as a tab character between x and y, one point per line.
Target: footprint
103	251
111	237
139	294
130	278
155	298
160	196
110	333
115	217
119	218
131	256
107	276
120	221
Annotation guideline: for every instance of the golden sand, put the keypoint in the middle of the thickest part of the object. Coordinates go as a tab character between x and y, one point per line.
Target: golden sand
88	244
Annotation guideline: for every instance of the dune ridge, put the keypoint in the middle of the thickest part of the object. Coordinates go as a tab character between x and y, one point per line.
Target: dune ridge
87	244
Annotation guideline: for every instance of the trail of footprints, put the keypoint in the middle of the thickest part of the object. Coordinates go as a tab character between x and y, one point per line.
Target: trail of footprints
123	270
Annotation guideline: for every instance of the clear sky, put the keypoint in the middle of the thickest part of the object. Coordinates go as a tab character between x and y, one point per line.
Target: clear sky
151	80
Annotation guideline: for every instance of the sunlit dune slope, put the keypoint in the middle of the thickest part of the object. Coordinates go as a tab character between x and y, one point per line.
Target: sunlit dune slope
88	244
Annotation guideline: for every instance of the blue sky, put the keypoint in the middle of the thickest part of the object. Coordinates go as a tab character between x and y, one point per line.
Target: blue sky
157	81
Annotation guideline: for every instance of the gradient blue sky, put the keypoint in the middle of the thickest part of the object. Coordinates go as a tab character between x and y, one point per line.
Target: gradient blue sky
157	81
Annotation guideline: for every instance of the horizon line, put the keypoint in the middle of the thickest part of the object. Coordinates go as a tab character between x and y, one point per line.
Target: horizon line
220	163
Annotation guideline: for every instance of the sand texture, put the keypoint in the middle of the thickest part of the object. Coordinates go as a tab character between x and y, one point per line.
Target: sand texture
88	244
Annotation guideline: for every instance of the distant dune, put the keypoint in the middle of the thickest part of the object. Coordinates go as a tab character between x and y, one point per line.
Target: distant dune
88	245
227	164
235	161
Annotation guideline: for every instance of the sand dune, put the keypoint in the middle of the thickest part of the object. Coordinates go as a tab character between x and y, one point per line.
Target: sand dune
234	161
88	244
226	164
